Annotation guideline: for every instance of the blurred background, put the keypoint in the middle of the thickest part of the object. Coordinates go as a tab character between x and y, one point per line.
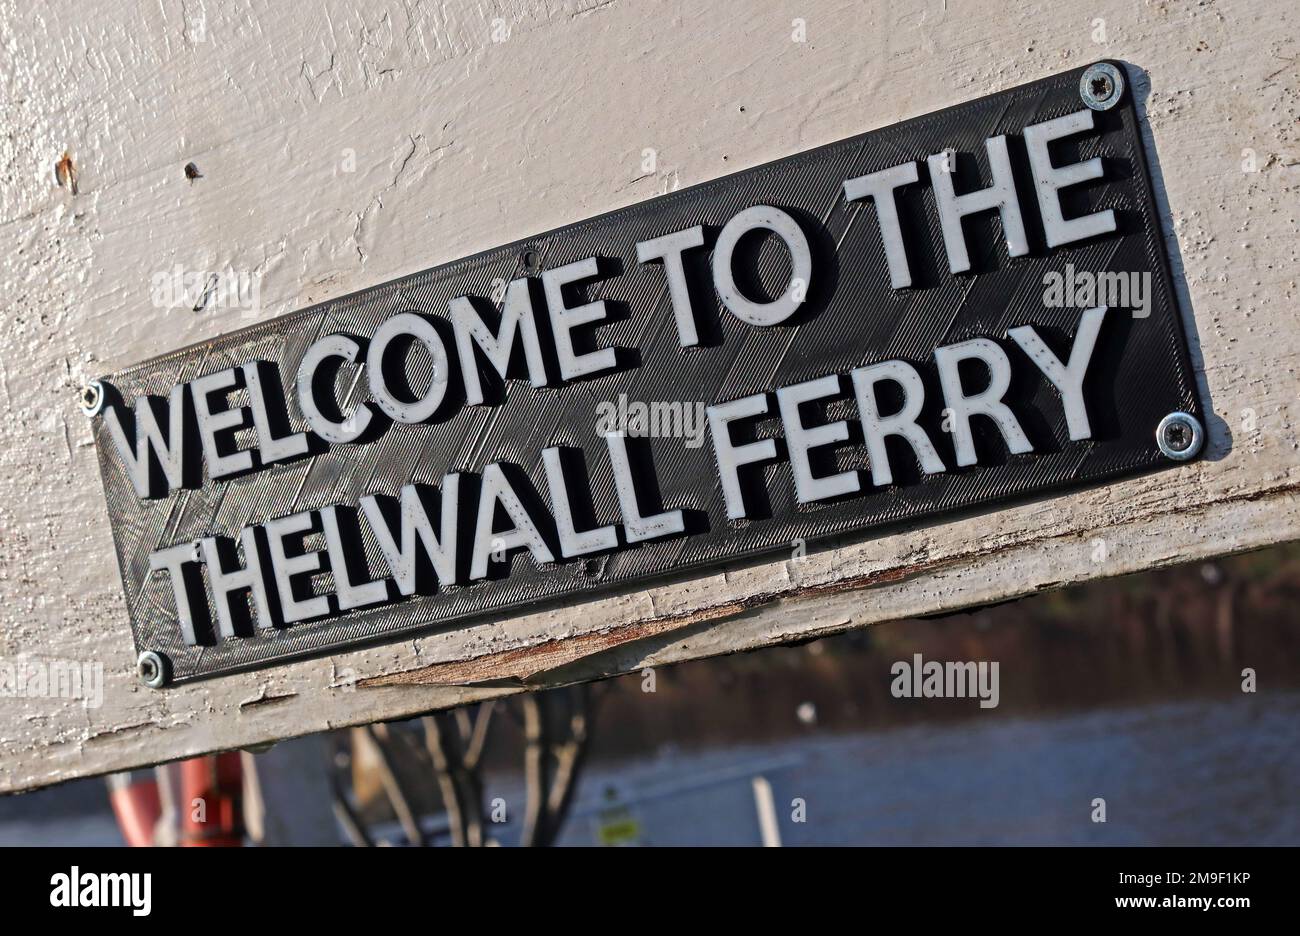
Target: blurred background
1126	716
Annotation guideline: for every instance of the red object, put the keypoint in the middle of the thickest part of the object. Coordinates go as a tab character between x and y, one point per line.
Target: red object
211	802
209	806
136	804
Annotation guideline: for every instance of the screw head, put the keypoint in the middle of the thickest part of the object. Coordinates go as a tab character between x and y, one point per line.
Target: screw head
151	667
1102	86
1180	436
92	398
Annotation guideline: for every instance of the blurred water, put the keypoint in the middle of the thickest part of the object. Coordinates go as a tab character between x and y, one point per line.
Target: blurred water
1213	772
1208	772
91	830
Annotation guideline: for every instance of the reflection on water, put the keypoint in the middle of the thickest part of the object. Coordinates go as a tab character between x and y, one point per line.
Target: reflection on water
1208	772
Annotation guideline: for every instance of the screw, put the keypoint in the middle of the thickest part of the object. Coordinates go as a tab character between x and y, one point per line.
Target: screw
532	260
1101	86
1180	436
92	398
152	669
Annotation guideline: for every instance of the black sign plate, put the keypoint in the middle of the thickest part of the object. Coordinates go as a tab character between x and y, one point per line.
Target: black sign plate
769	322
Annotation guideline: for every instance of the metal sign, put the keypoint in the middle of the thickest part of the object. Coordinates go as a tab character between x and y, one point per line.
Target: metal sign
933	318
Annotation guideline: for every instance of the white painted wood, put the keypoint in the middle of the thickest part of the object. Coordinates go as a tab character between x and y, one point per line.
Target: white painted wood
462	143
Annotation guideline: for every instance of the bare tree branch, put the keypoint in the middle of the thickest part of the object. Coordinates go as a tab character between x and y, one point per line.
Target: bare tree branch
444	751
557	731
471	776
463	724
569	757
378	735
478	737
536	773
347	816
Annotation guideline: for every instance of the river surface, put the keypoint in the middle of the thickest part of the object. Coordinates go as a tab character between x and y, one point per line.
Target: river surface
1208	772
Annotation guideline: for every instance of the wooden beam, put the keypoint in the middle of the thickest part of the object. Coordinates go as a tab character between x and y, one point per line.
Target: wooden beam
336	158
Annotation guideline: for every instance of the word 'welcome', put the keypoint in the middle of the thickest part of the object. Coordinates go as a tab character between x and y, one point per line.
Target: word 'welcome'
466	528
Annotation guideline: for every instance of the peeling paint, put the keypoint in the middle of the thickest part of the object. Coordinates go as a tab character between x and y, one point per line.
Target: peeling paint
265	697
525	664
